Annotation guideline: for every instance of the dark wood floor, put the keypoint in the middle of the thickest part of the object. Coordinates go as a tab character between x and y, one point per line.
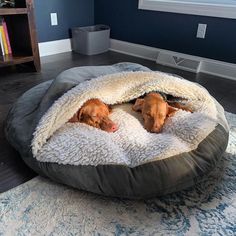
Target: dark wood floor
13	83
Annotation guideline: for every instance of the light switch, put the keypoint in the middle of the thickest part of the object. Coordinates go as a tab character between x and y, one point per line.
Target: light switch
54	19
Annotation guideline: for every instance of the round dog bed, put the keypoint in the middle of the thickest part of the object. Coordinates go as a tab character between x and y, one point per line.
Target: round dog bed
130	163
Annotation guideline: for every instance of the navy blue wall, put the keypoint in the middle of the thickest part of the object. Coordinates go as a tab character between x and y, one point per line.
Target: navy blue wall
70	14
170	31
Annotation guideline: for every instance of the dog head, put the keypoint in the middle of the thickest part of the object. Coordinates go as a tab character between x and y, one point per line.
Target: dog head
95	113
154	110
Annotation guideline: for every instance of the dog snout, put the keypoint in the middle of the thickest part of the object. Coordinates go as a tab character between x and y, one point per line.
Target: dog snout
114	128
108	125
156	128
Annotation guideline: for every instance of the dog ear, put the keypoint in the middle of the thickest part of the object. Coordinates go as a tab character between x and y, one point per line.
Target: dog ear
138	106
74	118
171	110
109	108
80	114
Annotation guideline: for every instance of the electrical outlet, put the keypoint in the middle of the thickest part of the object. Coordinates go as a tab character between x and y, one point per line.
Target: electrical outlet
201	31
54	19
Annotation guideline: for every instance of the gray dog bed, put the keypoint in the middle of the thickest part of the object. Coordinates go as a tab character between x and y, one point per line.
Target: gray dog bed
131	162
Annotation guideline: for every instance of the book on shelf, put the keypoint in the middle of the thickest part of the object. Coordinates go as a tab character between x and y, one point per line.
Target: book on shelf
7	36
1	44
4	41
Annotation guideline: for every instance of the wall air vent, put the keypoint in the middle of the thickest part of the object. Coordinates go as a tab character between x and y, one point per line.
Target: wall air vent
178	61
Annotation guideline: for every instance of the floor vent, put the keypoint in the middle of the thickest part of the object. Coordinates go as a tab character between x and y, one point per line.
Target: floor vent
177	61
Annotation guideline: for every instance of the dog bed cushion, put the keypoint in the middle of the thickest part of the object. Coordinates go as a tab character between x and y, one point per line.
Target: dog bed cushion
130	162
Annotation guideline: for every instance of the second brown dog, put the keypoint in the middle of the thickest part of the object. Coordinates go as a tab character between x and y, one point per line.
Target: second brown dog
155	110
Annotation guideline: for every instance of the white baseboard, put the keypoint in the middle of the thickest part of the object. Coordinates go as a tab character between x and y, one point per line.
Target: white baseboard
54	47
208	66
133	49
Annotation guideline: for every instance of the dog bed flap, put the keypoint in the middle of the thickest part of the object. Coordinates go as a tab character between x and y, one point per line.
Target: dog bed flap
57	141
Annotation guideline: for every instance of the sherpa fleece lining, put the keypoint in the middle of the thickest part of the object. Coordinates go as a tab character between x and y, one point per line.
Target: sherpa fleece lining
55	140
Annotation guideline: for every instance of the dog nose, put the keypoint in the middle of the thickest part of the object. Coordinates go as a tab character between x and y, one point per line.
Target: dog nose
114	128
156	129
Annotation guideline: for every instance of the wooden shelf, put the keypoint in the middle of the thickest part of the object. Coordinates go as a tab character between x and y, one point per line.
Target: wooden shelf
22	35
13	11
13	60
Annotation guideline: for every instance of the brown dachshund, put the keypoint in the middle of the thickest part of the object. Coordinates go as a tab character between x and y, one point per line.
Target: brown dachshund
95	113
155	110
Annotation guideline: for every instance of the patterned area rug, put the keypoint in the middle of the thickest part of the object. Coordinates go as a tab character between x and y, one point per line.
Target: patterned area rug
41	207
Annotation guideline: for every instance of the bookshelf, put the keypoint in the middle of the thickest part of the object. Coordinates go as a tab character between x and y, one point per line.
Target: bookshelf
22	35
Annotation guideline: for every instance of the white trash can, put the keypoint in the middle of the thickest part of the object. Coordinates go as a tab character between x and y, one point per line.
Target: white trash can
91	40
